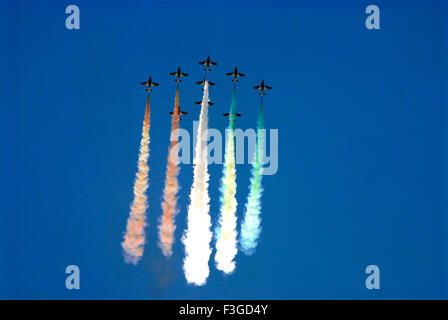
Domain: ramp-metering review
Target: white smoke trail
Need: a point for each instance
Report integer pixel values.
(198, 235)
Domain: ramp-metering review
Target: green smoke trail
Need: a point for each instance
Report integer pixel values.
(226, 248)
(232, 115)
(251, 228)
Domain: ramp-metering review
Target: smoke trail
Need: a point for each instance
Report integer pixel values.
(169, 204)
(226, 232)
(250, 229)
(134, 239)
(198, 235)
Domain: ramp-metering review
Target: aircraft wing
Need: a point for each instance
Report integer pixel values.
(183, 112)
(267, 87)
(173, 73)
(257, 87)
(184, 74)
(144, 83)
(241, 74)
(229, 73)
(202, 62)
(213, 63)
(155, 84)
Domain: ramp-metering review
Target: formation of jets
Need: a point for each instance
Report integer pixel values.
(149, 84)
(262, 87)
(178, 74)
(235, 74)
(203, 82)
(228, 114)
(209, 103)
(207, 63)
(178, 112)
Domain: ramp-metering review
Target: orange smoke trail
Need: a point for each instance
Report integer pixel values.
(134, 239)
(169, 204)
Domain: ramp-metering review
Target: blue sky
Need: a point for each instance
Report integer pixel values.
(362, 144)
